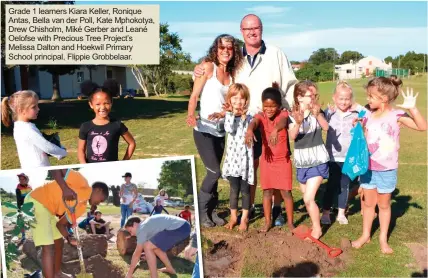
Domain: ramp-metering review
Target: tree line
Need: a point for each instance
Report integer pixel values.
(160, 79)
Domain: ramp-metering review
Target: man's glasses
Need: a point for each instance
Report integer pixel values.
(252, 29)
(222, 47)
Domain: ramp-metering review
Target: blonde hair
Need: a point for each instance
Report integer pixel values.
(342, 84)
(388, 87)
(239, 88)
(19, 101)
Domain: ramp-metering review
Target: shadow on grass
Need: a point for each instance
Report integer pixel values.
(71, 114)
(306, 269)
(398, 209)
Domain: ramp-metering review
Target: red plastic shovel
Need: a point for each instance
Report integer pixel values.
(303, 232)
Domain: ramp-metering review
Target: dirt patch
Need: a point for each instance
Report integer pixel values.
(420, 254)
(97, 265)
(268, 254)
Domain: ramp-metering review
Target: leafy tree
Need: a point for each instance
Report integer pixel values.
(155, 77)
(20, 220)
(176, 178)
(324, 55)
(189, 199)
(316, 73)
(350, 55)
(56, 72)
(411, 60)
(294, 62)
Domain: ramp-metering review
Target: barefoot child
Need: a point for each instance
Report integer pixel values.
(340, 118)
(47, 231)
(310, 155)
(238, 166)
(275, 165)
(99, 138)
(33, 149)
(382, 133)
(155, 236)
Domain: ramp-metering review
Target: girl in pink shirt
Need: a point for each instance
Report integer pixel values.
(382, 132)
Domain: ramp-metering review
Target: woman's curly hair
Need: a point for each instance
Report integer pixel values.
(237, 58)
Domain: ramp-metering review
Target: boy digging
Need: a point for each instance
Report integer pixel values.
(48, 232)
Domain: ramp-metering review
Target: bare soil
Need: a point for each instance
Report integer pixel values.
(274, 254)
(97, 266)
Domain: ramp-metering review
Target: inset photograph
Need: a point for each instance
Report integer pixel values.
(118, 219)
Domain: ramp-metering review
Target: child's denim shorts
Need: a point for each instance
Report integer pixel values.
(383, 181)
(303, 174)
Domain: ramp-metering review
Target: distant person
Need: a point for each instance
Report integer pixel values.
(158, 208)
(22, 189)
(99, 137)
(186, 214)
(84, 224)
(162, 196)
(128, 194)
(155, 236)
(33, 148)
(99, 226)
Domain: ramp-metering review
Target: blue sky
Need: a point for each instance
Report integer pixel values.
(380, 29)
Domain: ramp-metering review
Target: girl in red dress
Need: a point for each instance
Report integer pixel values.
(275, 164)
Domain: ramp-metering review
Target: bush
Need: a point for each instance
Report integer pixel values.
(316, 73)
(178, 83)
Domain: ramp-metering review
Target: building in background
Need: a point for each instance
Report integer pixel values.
(69, 84)
(364, 67)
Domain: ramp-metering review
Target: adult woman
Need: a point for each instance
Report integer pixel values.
(220, 65)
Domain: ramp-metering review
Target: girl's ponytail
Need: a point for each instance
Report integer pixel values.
(18, 101)
(6, 112)
(396, 81)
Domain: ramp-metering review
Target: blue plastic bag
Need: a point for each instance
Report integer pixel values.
(357, 158)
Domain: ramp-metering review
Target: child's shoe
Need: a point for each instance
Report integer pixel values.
(279, 221)
(325, 219)
(342, 220)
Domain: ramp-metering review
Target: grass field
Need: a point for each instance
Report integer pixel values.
(111, 213)
(158, 125)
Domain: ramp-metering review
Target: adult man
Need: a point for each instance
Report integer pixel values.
(155, 236)
(264, 65)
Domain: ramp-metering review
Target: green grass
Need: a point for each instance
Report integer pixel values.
(159, 128)
(183, 267)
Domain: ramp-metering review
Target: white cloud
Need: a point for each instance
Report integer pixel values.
(267, 9)
(379, 42)
(278, 25)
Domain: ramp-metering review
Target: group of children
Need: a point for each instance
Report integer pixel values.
(98, 138)
(314, 160)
